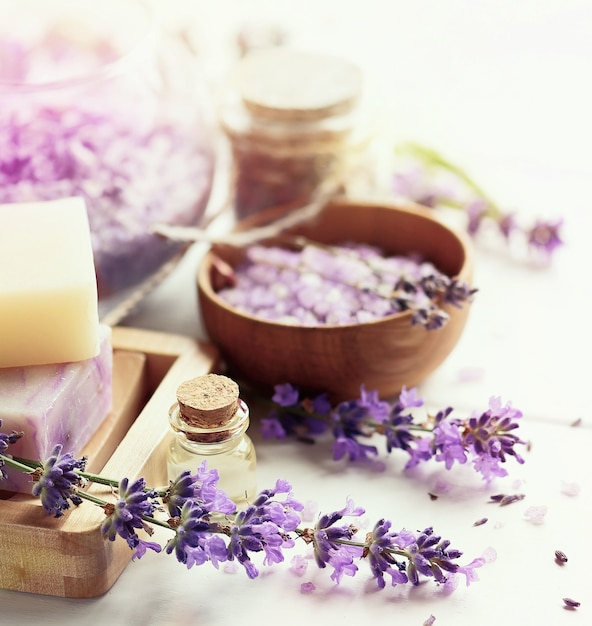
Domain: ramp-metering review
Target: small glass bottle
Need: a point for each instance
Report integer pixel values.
(210, 423)
(292, 118)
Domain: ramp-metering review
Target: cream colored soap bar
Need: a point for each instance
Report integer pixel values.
(48, 290)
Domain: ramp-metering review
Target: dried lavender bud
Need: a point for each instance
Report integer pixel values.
(560, 557)
(571, 604)
(480, 522)
(511, 499)
(497, 497)
(433, 496)
(577, 422)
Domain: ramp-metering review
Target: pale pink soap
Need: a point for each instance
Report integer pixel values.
(62, 403)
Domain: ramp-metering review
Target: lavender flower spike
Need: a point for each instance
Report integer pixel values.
(201, 487)
(193, 543)
(56, 481)
(379, 551)
(264, 526)
(123, 517)
(327, 542)
(429, 556)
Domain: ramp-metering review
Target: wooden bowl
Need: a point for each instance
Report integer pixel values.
(383, 355)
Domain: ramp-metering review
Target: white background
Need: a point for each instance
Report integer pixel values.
(503, 88)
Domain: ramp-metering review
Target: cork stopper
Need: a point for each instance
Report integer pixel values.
(207, 401)
(286, 84)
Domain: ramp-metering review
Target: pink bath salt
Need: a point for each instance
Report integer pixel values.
(536, 514)
(307, 587)
(230, 567)
(310, 510)
(62, 404)
(489, 554)
(470, 374)
(298, 565)
(570, 489)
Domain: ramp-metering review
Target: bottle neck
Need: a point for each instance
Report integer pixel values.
(229, 431)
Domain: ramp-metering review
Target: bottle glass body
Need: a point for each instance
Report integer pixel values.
(227, 449)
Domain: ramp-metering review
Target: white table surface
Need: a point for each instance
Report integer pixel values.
(503, 88)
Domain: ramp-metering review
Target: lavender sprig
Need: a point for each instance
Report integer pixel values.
(486, 438)
(419, 183)
(207, 528)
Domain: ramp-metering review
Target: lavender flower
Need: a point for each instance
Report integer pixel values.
(349, 421)
(431, 556)
(486, 438)
(285, 395)
(194, 543)
(379, 551)
(272, 523)
(414, 185)
(264, 526)
(545, 236)
(420, 184)
(294, 417)
(330, 542)
(126, 515)
(202, 488)
(469, 571)
(55, 482)
(476, 212)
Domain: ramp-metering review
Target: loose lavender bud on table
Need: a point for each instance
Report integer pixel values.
(560, 557)
(571, 604)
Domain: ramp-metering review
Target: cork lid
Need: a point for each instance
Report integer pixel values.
(209, 400)
(287, 84)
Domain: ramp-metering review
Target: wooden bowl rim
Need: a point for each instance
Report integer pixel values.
(205, 285)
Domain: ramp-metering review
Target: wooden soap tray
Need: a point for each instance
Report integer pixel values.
(68, 556)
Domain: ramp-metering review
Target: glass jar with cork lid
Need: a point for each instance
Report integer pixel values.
(210, 423)
(292, 118)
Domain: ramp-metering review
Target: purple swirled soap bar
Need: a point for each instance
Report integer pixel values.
(60, 403)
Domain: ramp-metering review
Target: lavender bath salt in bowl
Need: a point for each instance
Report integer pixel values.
(363, 294)
(97, 103)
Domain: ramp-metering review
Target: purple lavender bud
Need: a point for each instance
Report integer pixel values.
(264, 526)
(380, 555)
(56, 481)
(285, 395)
(125, 516)
(545, 236)
(326, 538)
(507, 224)
(476, 210)
(191, 543)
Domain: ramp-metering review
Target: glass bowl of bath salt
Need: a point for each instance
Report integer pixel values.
(99, 102)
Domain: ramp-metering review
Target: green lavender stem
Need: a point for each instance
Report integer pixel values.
(298, 410)
(434, 159)
(19, 464)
